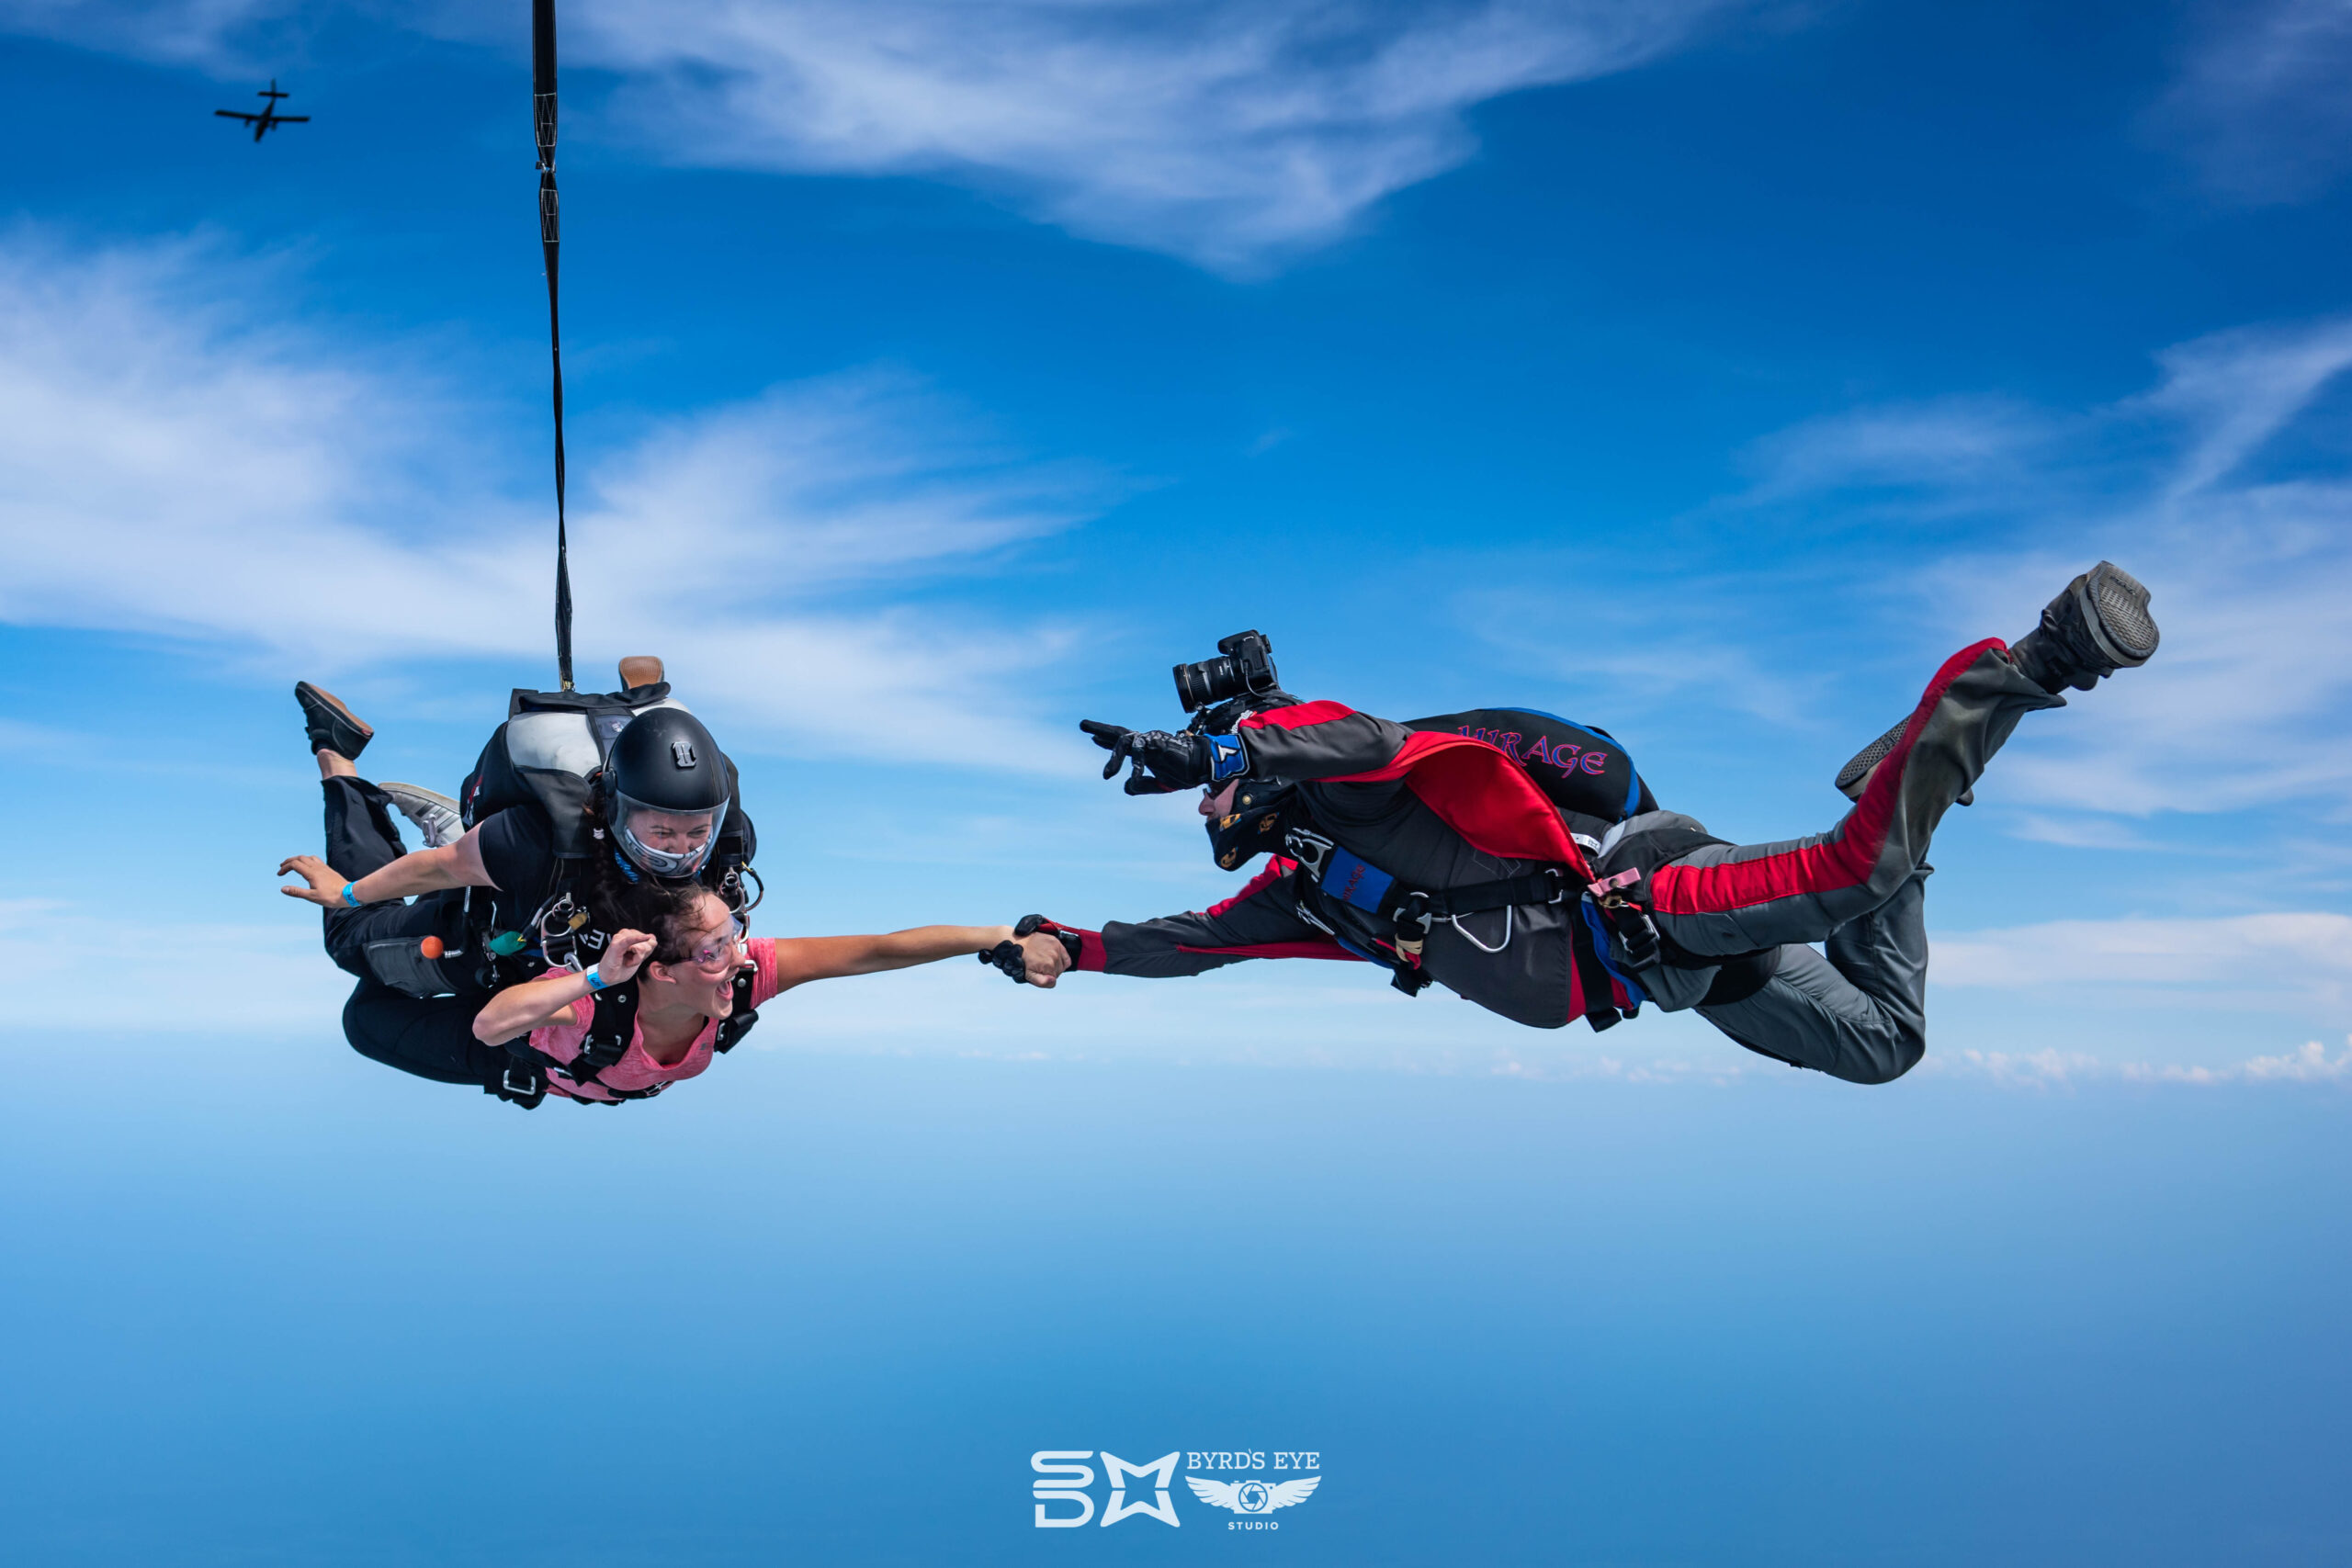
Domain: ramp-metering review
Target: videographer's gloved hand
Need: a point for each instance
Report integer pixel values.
(1166, 762)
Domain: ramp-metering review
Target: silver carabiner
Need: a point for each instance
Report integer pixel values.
(1508, 912)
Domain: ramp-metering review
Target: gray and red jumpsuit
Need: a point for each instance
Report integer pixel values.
(1439, 811)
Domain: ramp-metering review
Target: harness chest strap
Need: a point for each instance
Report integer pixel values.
(1342, 875)
(1617, 903)
(1336, 872)
(610, 1032)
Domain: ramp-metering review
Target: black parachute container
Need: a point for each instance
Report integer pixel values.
(547, 754)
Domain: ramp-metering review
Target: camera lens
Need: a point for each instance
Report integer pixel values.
(1210, 680)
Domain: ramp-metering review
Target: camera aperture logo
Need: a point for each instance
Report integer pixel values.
(1254, 1482)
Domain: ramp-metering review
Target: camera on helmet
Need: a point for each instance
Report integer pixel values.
(1247, 665)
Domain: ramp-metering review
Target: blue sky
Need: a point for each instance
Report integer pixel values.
(939, 374)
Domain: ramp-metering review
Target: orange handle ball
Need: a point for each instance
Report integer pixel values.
(431, 947)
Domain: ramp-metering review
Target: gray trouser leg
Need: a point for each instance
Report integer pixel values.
(1737, 898)
(1860, 1014)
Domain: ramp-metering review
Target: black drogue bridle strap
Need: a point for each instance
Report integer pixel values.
(551, 234)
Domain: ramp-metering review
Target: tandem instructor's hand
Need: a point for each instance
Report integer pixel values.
(325, 887)
(1035, 955)
(1164, 762)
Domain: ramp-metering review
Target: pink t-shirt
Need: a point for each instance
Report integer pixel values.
(636, 1069)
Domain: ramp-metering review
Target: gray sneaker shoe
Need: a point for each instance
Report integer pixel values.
(437, 815)
(2100, 625)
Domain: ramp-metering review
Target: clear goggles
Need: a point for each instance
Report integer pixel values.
(667, 843)
(725, 950)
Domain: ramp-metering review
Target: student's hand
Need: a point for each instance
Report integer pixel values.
(327, 884)
(624, 956)
(1045, 958)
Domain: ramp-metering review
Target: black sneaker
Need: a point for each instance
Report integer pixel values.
(331, 726)
(1857, 773)
(2100, 625)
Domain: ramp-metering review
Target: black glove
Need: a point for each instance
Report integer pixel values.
(1014, 963)
(1164, 762)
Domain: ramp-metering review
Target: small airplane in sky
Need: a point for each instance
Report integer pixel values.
(269, 118)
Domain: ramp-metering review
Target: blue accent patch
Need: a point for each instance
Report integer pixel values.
(1226, 760)
(1353, 881)
(1600, 935)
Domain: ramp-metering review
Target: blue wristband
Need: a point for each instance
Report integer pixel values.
(349, 899)
(597, 982)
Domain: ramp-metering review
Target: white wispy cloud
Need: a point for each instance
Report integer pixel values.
(209, 34)
(1230, 132)
(2306, 955)
(1227, 132)
(2233, 391)
(176, 464)
(2260, 104)
(2250, 568)
(1958, 450)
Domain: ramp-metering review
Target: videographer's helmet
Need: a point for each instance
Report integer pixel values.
(665, 792)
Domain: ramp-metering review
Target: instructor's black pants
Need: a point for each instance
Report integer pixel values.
(429, 1036)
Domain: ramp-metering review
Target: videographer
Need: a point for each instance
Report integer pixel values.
(1439, 855)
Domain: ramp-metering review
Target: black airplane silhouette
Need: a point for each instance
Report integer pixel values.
(269, 118)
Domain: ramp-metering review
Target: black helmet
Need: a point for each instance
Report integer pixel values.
(664, 763)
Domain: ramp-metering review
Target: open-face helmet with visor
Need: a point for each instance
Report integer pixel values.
(664, 790)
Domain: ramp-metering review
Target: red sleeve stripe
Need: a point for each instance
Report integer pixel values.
(1299, 715)
(1090, 955)
(1276, 870)
(1322, 948)
(1842, 862)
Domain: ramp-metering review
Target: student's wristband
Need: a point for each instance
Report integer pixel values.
(597, 982)
(347, 895)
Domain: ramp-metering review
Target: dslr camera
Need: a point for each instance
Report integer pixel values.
(1245, 664)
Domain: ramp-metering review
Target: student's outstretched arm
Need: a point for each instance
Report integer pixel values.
(800, 959)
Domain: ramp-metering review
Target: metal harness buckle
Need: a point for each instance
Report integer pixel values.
(1311, 851)
(527, 1093)
(1412, 923)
